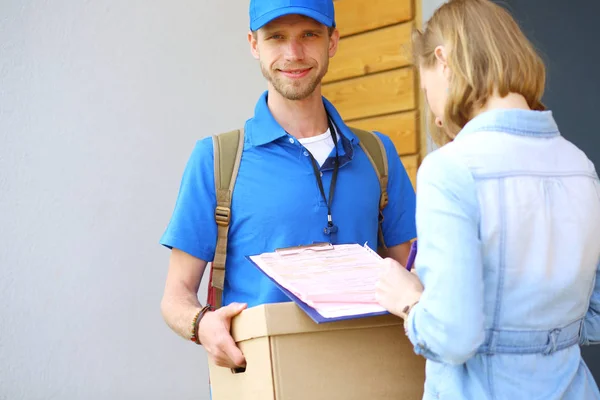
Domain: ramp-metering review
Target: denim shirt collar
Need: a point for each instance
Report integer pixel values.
(513, 121)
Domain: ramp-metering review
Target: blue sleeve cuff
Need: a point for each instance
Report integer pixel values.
(172, 242)
(400, 237)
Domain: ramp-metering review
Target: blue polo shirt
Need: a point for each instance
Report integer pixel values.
(277, 202)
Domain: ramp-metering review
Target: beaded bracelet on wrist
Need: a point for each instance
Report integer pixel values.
(196, 323)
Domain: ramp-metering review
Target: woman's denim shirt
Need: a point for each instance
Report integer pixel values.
(508, 220)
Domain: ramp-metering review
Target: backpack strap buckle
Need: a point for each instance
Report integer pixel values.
(384, 199)
(222, 215)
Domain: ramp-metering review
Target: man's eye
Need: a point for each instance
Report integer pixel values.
(310, 34)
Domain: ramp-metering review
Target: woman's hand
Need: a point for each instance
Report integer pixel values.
(398, 288)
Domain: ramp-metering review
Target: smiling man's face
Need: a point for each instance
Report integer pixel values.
(294, 54)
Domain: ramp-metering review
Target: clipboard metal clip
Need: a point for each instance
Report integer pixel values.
(289, 251)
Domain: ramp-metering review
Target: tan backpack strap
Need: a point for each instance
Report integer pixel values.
(227, 148)
(375, 151)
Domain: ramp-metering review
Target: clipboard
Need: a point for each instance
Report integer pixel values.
(294, 250)
(311, 312)
(308, 309)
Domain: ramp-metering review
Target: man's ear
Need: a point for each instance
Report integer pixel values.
(334, 40)
(252, 40)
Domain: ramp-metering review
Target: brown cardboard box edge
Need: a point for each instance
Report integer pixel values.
(291, 357)
(286, 318)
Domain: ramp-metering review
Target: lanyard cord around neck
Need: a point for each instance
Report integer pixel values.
(331, 227)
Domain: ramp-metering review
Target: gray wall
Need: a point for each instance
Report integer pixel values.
(429, 6)
(101, 103)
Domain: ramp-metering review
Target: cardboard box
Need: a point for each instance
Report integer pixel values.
(289, 357)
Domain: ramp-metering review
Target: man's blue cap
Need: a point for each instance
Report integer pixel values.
(264, 11)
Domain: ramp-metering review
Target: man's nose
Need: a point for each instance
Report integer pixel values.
(294, 50)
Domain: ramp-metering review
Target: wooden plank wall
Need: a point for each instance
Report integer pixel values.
(371, 80)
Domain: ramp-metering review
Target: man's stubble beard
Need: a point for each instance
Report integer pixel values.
(291, 91)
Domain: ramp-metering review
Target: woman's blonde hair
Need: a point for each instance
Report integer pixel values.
(486, 52)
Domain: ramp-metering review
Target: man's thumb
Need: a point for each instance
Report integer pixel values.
(234, 309)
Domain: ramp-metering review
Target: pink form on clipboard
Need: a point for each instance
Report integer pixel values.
(336, 280)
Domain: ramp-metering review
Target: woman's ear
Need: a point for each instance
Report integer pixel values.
(442, 57)
(440, 54)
